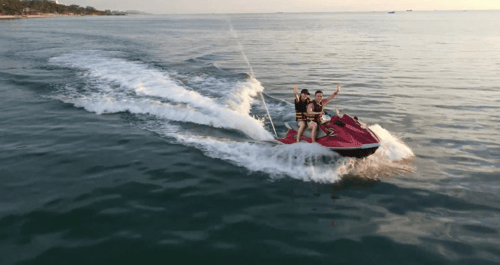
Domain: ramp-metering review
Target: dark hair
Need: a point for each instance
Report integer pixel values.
(317, 92)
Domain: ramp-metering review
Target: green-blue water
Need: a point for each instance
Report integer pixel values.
(142, 139)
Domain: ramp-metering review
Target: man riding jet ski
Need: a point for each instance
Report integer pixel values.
(342, 134)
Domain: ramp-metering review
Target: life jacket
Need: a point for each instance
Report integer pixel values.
(301, 109)
(317, 107)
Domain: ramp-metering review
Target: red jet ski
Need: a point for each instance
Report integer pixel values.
(344, 135)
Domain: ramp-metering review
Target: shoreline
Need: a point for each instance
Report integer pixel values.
(40, 16)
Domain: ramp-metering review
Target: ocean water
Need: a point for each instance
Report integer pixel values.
(145, 139)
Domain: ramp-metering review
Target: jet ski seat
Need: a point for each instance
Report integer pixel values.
(294, 125)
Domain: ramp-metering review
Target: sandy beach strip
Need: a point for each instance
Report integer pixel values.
(8, 17)
(39, 16)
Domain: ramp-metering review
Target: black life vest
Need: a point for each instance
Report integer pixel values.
(301, 109)
(317, 107)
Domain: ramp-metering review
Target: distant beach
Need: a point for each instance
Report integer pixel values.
(40, 16)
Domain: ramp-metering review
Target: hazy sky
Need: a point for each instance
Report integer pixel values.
(266, 6)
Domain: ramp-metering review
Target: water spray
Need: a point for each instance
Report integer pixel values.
(252, 75)
(269, 115)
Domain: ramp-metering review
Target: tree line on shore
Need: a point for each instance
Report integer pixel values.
(34, 7)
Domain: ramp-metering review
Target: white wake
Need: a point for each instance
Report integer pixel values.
(114, 85)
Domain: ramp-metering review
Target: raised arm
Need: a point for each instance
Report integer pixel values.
(296, 91)
(325, 101)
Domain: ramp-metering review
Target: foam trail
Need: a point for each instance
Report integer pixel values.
(303, 161)
(300, 161)
(144, 81)
(157, 108)
(115, 85)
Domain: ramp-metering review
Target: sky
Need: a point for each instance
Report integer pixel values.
(272, 6)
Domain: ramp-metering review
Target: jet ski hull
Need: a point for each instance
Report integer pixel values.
(344, 135)
(356, 152)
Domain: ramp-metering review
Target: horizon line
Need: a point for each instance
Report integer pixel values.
(316, 12)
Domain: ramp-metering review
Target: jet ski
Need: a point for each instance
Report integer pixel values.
(341, 133)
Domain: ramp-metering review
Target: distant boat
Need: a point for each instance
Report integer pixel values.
(409, 10)
(391, 12)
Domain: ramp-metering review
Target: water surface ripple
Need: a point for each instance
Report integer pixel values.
(142, 139)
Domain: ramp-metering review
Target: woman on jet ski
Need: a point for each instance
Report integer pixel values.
(301, 103)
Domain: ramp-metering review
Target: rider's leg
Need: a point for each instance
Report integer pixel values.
(314, 127)
(302, 126)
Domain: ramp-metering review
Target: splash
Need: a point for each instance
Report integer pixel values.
(233, 32)
(113, 85)
(129, 86)
(393, 157)
(299, 161)
(391, 147)
(302, 161)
